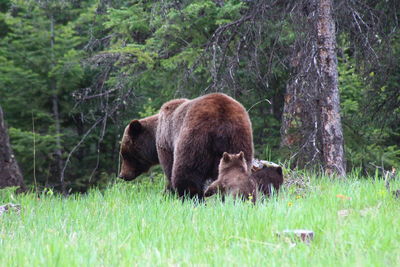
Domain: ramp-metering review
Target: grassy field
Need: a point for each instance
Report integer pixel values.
(356, 223)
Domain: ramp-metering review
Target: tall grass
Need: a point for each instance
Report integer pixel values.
(356, 223)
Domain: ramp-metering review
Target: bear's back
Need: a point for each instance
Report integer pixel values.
(206, 112)
(215, 109)
(223, 121)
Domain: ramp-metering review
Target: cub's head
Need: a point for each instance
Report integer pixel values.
(137, 147)
(229, 161)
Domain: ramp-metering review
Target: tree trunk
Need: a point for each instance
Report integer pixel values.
(331, 128)
(10, 174)
(311, 126)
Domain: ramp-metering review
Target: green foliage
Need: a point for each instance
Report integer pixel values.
(351, 87)
(33, 72)
(33, 151)
(131, 22)
(367, 144)
(148, 109)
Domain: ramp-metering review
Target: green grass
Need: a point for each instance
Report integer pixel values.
(135, 224)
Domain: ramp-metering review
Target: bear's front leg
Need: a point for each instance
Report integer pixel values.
(166, 158)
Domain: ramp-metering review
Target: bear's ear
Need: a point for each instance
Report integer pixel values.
(134, 128)
(212, 189)
(226, 157)
(279, 170)
(241, 155)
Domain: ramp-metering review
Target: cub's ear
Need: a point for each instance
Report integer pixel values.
(241, 155)
(279, 170)
(226, 157)
(212, 189)
(134, 128)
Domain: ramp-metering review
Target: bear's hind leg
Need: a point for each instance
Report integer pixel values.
(188, 181)
(193, 162)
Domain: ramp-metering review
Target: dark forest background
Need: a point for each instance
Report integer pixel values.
(74, 73)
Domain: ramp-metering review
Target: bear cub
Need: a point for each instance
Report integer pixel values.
(233, 178)
(267, 178)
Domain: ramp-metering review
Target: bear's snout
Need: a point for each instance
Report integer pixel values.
(128, 172)
(124, 177)
(127, 176)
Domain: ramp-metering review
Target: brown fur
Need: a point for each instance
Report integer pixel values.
(190, 137)
(233, 178)
(139, 135)
(268, 177)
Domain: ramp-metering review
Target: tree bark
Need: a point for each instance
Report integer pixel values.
(10, 173)
(311, 127)
(331, 128)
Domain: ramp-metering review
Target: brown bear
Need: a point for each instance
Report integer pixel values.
(187, 137)
(268, 177)
(233, 178)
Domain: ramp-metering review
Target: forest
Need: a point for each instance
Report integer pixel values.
(74, 73)
(82, 80)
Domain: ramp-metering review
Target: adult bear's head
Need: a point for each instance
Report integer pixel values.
(138, 148)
